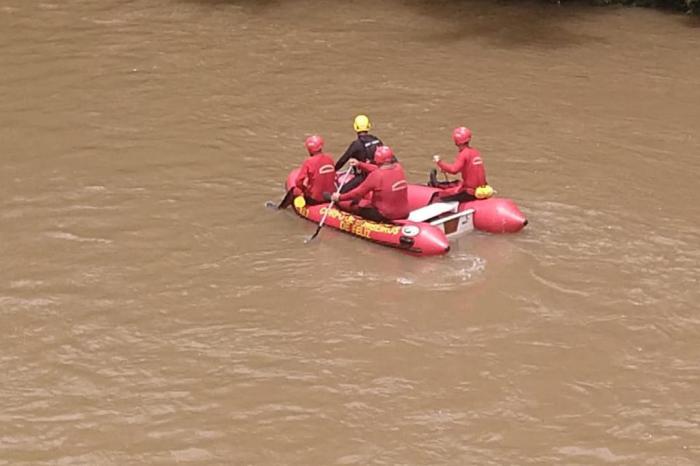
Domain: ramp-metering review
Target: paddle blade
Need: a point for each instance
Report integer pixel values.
(288, 199)
(318, 230)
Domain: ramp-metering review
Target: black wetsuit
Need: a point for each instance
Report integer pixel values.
(362, 149)
(371, 213)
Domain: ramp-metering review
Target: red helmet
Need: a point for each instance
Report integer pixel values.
(314, 144)
(383, 155)
(461, 135)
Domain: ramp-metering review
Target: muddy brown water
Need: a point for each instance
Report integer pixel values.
(153, 312)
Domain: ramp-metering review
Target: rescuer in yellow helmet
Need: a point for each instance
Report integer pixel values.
(362, 149)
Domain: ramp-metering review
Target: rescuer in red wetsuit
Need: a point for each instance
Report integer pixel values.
(468, 163)
(387, 183)
(317, 173)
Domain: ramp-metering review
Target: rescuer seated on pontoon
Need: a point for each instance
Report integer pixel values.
(471, 166)
(386, 182)
(317, 173)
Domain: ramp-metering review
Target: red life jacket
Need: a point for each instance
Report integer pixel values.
(316, 176)
(471, 166)
(389, 191)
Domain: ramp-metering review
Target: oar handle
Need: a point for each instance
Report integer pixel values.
(337, 191)
(325, 214)
(328, 209)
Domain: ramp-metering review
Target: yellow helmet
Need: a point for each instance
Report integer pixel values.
(483, 192)
(362, 123)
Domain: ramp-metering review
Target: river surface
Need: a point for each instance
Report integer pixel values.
(154, 312)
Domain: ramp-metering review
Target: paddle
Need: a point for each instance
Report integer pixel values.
(436, 157)
(330, 206)
(286, 201)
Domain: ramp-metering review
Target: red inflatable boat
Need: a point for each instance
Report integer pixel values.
(492, 215)
(430, 226)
